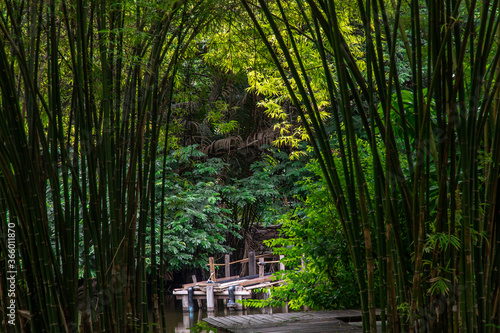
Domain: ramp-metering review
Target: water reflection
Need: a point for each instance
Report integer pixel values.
(178, 321)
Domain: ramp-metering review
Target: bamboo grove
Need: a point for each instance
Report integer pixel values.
(86, 89)
(425, 240)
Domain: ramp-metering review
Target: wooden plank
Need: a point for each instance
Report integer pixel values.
(271, 262)
(264, 285)
(271, 318)
(255, 281)
(229, 284)
(227, 322)
(216, 297)
(187, 285)
(281, 316)
(245, 282)
(205, 284)
(185, 292)
(263, 320)
(199, 293)
(236, 293)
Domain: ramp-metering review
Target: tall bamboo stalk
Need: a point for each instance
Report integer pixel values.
(435, 266)
(83, 103)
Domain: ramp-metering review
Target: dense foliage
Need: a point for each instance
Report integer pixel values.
(196, 224)
(319, 273)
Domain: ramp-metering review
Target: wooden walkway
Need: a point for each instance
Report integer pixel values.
(303, 322)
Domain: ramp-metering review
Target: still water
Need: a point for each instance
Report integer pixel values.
(178, 321)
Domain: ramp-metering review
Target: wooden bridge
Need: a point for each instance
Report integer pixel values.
(229, 288)
(299, 322)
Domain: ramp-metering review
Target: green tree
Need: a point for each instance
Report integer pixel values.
(197, 225)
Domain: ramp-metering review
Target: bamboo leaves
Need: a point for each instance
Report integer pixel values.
(429, 192)
(81, 121)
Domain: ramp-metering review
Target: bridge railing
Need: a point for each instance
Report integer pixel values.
(253, 261)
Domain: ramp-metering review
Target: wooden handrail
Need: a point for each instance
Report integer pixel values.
(246, 259)
(259, 259)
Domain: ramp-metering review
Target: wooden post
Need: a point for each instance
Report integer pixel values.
(185, 303)
(266, 295)
(251, 263)
(211, 264)
(227, 267)
(239, 306)
(261, 267)
(185, 320)
(210, 298)
(195, 280)
(282, 265)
